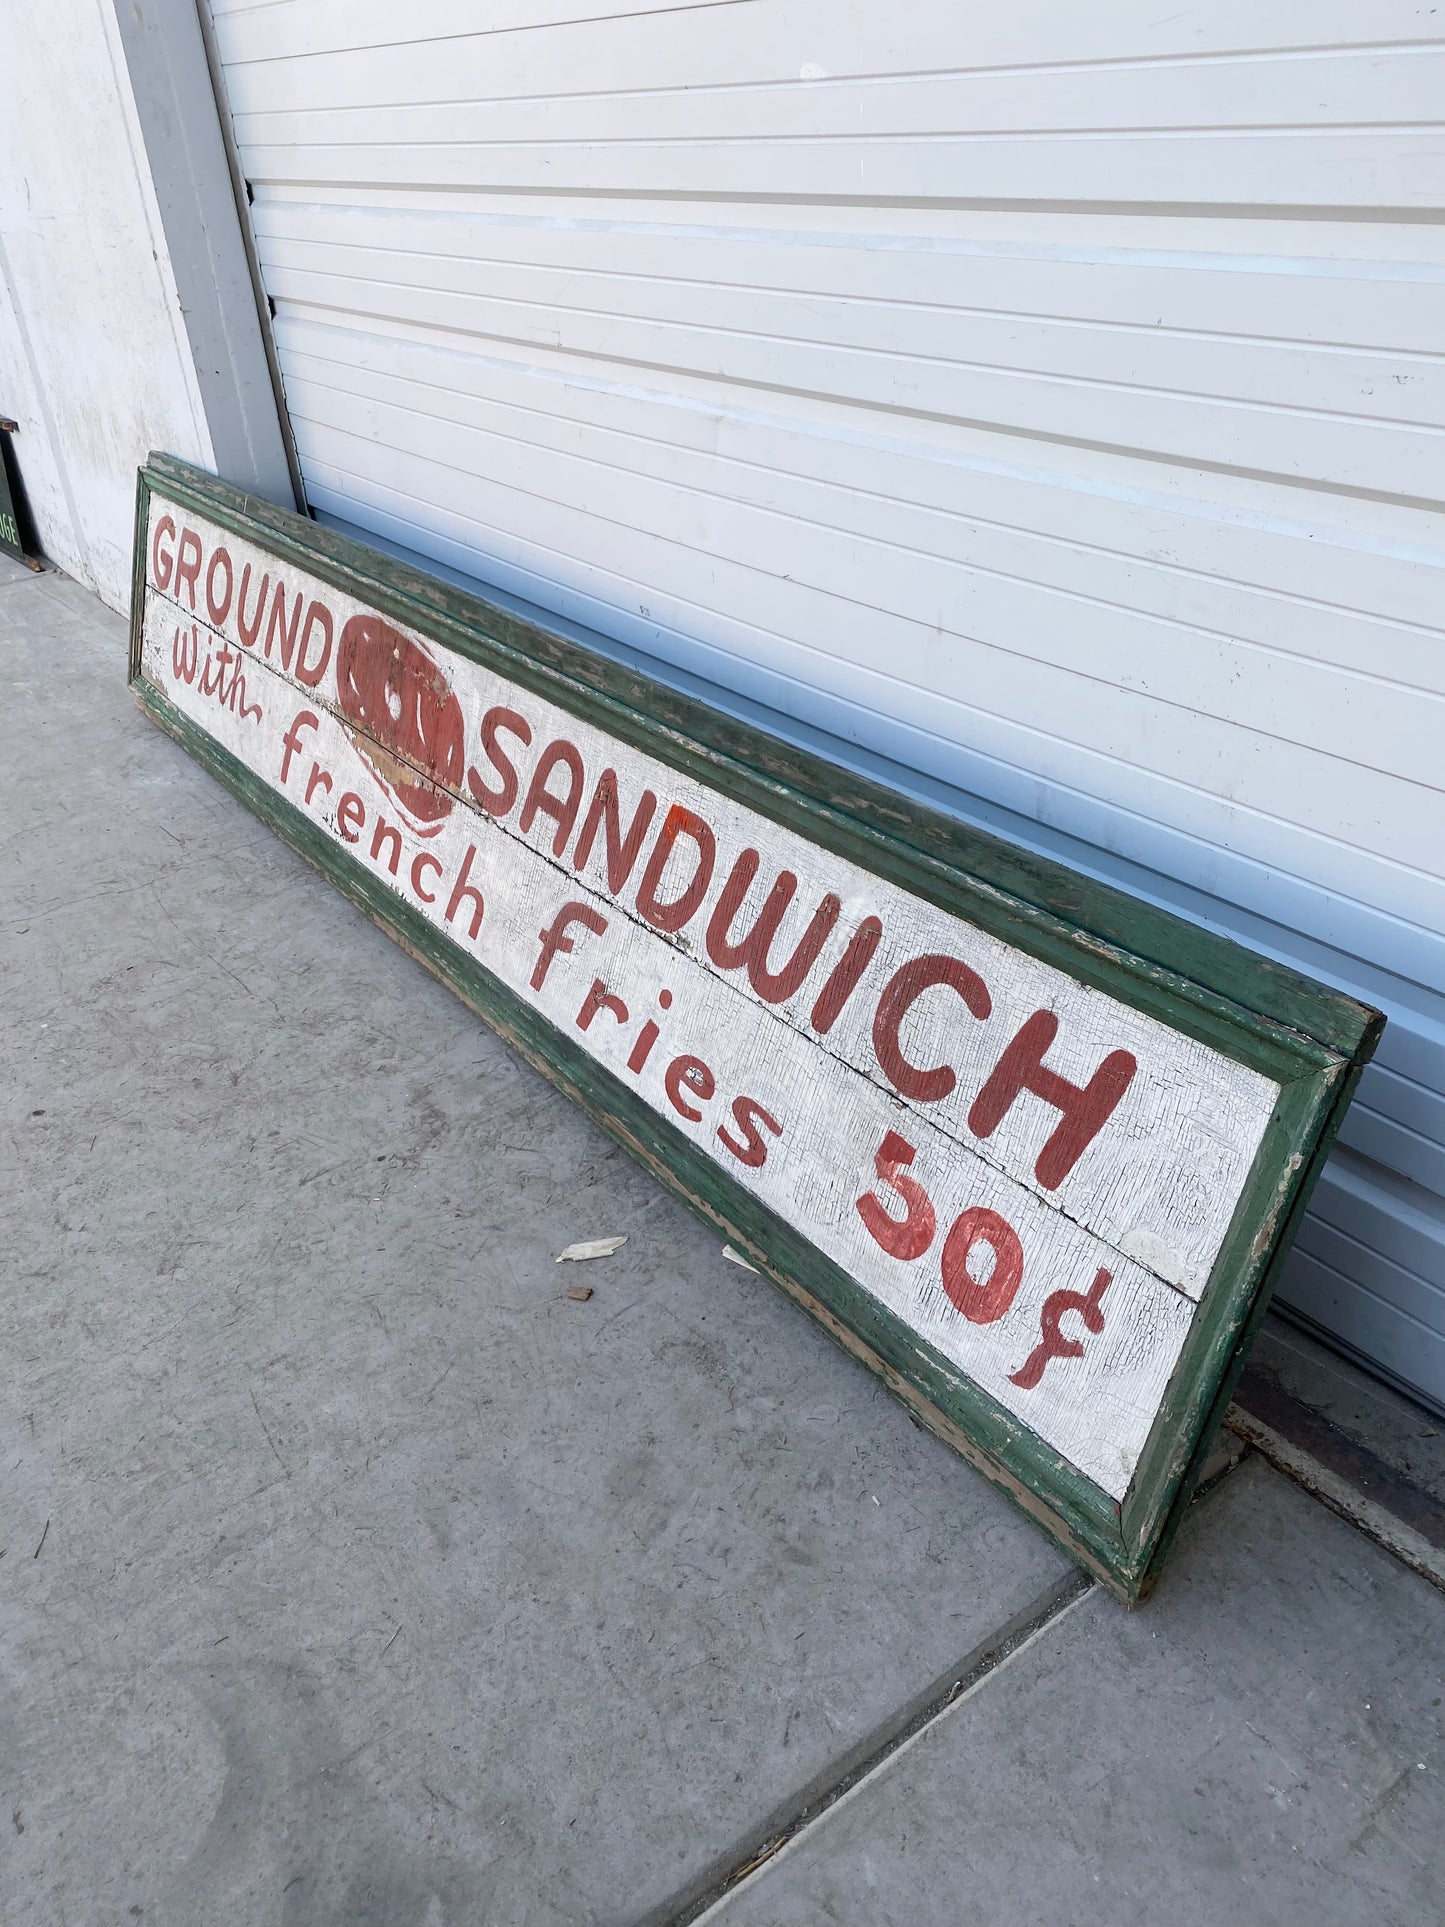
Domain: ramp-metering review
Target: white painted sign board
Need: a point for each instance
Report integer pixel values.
(1027, 1178)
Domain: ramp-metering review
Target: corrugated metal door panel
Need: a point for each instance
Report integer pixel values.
(288, 29)
(1320, 769)
(1048, 399)
(1369, 1267)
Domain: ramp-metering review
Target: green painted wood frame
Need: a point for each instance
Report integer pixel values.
(1313, 1040)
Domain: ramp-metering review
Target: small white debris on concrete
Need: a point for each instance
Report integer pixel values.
(590, 1248)
(737, 1258)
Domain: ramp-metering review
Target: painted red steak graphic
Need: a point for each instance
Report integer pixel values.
(406, 718)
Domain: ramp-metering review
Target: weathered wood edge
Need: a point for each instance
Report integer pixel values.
(1045, 906)
(1242, 1338)
(1238, 1285)
(138, 576)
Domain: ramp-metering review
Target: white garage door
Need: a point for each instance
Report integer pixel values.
(1046, 397)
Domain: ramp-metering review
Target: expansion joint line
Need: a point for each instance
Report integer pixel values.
(871, 1756)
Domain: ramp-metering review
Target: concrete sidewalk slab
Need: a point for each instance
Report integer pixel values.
(353, 1574)
(1263, 1743)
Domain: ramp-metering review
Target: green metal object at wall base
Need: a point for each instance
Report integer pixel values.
(11, 541)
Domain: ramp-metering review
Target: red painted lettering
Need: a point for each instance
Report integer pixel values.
(690, 1074)
(248, 631)
(982, 1301)
(463, 891)
(185, 648)
(318, 779)
(672, 916)
(599, 998)
(498, 802)
(1052, 1343)
(774, 987)
(751, 1149)
(420, 864)
(350, 815)
(188, 564)
(1086, 1108)
(380, 835)
(912, 1234)
(648, 1036)
(642, 1049)
(279, 627)
(540, 800)
(310, 673)
(162, 560)
(218, 607)
(845, 975)
(903, 990)
(556, 939)
(603, 813)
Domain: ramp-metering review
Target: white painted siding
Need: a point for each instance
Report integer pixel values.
(1047, 398)
(94, 360)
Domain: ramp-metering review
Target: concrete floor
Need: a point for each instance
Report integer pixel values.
(1260, 1745)
(355, 1577)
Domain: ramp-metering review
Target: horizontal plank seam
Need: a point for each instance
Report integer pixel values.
(894, 409)
(862, 77)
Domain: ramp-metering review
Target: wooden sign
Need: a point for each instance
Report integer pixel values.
(1029, 1148)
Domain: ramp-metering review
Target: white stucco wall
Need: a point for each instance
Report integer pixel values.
(94, 360)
